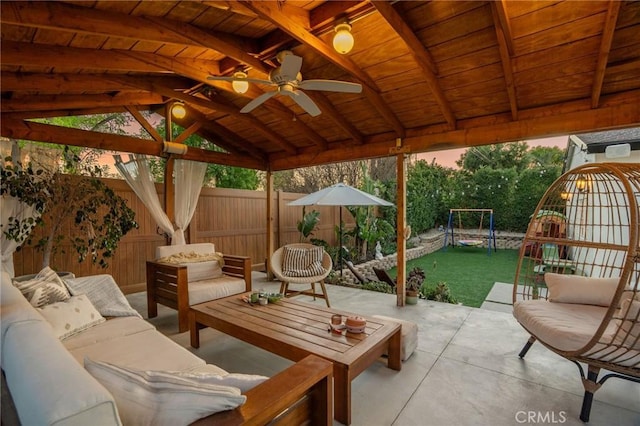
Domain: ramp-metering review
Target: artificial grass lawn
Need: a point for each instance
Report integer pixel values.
(468, 271)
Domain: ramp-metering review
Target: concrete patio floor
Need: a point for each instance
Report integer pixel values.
(465, 371)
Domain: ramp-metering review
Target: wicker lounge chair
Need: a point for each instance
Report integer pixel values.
(588, 309)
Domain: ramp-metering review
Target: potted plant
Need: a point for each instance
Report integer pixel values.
(97, 217)
(415, 279)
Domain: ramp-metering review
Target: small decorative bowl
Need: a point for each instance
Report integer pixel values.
(356, 324)
(274, 297)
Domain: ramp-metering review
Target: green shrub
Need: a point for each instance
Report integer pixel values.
(441, 293)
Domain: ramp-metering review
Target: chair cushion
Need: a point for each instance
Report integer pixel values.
(630, 322)
(161, 398)
(302, 262)
(580, 290)
(217, 288)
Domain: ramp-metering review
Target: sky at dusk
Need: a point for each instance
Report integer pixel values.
(448, 158)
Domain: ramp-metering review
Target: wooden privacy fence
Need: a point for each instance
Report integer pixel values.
(234, 220)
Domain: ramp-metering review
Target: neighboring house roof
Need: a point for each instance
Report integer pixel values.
(597, 142)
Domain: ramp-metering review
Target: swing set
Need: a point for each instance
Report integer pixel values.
(470, 242)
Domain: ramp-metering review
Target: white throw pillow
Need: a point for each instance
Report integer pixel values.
(244, 382)
(71, 316)
(159, 399)
(45, 288)
(302, 262)
(104, 294)
(580, 290)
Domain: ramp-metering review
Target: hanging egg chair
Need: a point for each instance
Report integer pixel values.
(576, 289)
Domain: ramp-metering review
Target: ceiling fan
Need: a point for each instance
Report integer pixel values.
(288, 80)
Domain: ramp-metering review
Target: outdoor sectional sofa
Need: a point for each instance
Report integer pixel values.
(49, 381)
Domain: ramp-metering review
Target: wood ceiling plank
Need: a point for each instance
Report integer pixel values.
(590, 26)
(271, 12)
(603, 53)
(54, 102)
(420, 54)
(78, 83)
(560, 69)
(547, 58)
(461, 25)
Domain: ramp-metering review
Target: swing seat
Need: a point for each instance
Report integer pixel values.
(470, 243)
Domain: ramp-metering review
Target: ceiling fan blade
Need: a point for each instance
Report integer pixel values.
(331, 86)
(258, 101)
(304, 101)
(290, 66)
(248, 79)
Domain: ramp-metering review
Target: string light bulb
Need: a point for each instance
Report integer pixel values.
(240, 86)
(178, 110)
(343, 39)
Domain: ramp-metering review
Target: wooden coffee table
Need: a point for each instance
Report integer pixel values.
(294, 330)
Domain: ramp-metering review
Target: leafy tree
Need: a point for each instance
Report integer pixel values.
(543, 156)
(81, 210)
(427, 185)
(499, 156)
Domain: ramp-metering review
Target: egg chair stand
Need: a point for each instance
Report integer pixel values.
(588, 310)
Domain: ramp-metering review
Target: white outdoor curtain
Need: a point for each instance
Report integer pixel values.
(137, 174)
(189, 176)
(14, 208)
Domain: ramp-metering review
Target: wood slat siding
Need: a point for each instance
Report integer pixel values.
(234, 220)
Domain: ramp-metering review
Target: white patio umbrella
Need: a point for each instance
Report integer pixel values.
(340, 195)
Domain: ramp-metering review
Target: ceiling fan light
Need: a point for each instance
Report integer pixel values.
(178, 110)
(343, 39)
(240, 86)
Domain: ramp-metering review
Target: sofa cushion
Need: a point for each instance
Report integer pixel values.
(108, 330)
(580, 290)
(47, 287)
(15, 308)
(104, 294)
(146, 350)
(302, 262)
(161, 398)
(48, 386)
(71, 316)
(198, 271)
(206, 290)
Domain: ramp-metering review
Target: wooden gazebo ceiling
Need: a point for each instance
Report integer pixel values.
(435, 74)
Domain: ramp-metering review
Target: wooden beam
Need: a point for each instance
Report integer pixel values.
(57, 102)
(271, 12)
(188, 131)
(145, 124)
(603, 52)
(69, 59)
(420, 55)
(505, 56)
(618, 112)
(40, 82)
(215, 105)
(500, 9)
(401, 221)
(40, 132)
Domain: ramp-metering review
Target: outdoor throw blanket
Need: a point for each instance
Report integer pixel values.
(192, 257)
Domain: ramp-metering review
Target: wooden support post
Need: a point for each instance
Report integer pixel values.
(401, 221)
(270, 223)
(169, 189)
